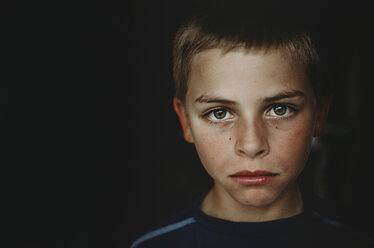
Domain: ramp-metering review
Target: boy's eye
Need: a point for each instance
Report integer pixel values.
(280, 110)
(219, 114)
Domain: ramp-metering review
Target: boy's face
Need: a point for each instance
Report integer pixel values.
(252, 117)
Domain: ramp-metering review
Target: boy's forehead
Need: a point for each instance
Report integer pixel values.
(217, 62)
(220, 53)
(216, 70)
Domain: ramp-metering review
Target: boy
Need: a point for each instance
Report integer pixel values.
(248, 97)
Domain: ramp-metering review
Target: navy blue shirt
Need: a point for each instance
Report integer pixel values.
(193, 228)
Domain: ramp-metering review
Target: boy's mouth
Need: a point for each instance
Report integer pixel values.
(258, 177)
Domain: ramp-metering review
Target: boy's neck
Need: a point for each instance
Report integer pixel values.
(220, 205)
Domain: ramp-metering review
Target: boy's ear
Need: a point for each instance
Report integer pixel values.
(179, 109)
(322, 113)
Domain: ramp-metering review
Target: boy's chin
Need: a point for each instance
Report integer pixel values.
(257, 199)
(269, 200)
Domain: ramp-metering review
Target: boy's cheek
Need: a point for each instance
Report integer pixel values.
(210, 146)
(295, 148)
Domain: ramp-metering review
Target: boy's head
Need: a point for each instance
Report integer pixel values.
(246, 95)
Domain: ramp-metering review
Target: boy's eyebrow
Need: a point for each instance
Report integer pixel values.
(211, 99)
(282, 95)
(285, 94)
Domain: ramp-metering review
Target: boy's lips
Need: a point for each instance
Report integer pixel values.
(258, 177)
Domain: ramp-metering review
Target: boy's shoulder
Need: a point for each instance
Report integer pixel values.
(330, 230)
(330, 224)
(173, 230)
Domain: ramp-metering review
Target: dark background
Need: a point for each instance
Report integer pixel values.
(99, 157)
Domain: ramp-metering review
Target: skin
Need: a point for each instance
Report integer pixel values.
(250, 110)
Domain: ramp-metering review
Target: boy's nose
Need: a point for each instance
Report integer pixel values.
(252, 140)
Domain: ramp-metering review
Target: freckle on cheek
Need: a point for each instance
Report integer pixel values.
(230, 138)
